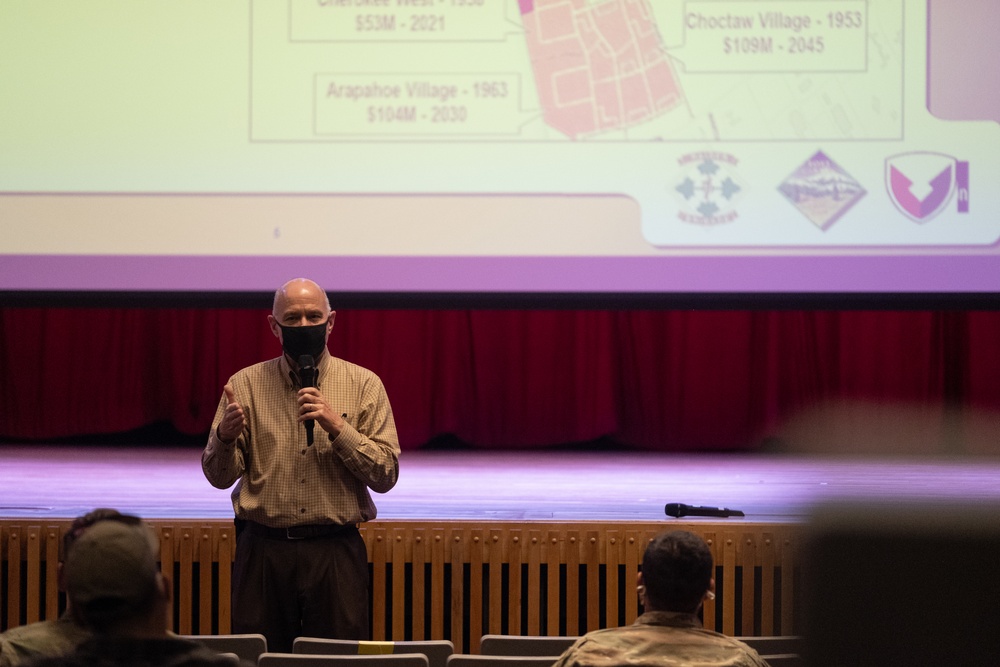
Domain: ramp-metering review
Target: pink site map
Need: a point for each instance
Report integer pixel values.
(598, 66)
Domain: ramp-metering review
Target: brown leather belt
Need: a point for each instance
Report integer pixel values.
(304, 532)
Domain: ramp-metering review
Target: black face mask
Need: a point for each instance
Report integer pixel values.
(311, 340)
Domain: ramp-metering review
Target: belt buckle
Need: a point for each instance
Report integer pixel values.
(289, 535)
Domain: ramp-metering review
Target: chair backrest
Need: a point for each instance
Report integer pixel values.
(247, 646)
(305, 660)
(783, 660)
(524, 645)
(437, 651)
(462, 660)
(773, 645)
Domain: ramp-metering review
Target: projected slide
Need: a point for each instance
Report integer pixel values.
(625, 132)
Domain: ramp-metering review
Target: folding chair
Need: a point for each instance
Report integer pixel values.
(461, 660)
(305, 660)
(524, 645)
(773, 645)
(437, 651)
(246, 647)
(783, 660)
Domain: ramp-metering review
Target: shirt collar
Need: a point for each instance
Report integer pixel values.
(675, 619)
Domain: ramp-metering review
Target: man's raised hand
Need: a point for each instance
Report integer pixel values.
(232, 420)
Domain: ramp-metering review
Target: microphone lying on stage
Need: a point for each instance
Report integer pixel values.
(678, 510)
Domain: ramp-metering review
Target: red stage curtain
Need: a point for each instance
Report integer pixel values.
(661, 380)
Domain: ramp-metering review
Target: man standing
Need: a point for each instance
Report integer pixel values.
(675, 580)
(307, 435)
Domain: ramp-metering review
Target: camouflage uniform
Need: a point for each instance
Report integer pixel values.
(141, 652)
(47, 638)
(659, 639)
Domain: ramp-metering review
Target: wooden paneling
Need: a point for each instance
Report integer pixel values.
(454, 580)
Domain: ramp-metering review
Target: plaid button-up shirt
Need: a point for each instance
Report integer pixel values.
(282, 481)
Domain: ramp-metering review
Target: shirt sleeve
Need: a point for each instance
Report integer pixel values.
(754, 660)
(5, 657)
(568, 658)
(223, 462)
(369, 448)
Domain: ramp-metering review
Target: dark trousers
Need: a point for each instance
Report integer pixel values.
(288, 588)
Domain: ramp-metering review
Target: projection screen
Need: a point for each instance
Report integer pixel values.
(494, 146)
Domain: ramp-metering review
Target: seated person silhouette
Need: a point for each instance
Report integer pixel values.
(675, 580)
(118, 593)
(62, 635)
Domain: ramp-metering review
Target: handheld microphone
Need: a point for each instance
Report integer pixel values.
(678, 510)
(307, 378)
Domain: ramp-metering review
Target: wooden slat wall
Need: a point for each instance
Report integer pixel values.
(453, 580)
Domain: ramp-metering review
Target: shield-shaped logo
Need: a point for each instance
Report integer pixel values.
(922, 184)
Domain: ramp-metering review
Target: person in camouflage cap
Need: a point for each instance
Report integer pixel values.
(117, 591)
(60, 635)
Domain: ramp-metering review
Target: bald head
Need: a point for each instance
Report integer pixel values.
(299, 290)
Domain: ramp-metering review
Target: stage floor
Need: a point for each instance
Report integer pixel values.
(47, 481)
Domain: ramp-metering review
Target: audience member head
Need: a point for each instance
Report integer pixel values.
(676, 573)
(113, 582)
(82, 523)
